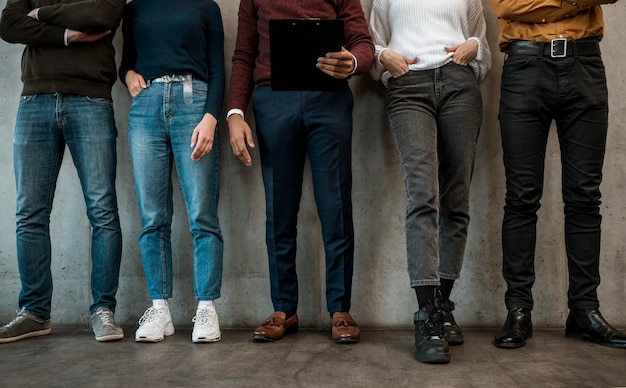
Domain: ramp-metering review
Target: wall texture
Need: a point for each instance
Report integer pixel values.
(382, 297)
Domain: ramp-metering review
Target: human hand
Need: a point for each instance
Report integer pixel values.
(203, 137)
(33, 13)
(74, 36)
(337, 64)
(240, 138)
(395, 63)
(134, 82)
(464, 52)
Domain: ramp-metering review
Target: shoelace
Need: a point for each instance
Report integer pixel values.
(432, 329)
(343, 322)
(151, 315)
(274, 321)
(20, 314)
(203, 315)
(105, 317)
(445, 308)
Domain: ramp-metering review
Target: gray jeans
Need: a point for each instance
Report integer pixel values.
(435, 116)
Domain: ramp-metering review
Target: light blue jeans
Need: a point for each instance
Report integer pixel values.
(45, 124)
(435, 117)
(160, 126)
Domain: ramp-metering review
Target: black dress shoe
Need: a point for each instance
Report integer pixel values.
(590, 325)
(516, 330)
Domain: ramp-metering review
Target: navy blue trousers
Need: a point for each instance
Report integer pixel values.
(291, 125)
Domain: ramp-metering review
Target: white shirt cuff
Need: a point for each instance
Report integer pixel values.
(356, 64)
(378, 54)
(65, 37)
(234, 111)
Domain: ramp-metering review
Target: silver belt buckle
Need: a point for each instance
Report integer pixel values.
(558, 48)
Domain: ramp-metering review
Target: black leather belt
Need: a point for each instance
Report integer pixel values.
(556, 48)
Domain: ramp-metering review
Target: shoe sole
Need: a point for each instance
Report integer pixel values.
(25, 335)
(439, 358)
(508, 345)
(588, 338)
(156, 339)
(108, 338)
(262, 338)
(346, 341)
(205, 340)
(513, 345)
(455, 340)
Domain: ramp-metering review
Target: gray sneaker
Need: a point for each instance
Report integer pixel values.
(104, 326)
(23, 326)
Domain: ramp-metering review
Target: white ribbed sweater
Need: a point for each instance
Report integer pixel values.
(422, 28)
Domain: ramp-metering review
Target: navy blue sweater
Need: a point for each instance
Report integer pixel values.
(165, 37)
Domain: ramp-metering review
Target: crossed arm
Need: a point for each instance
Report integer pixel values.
(83, 21)
(541, 11)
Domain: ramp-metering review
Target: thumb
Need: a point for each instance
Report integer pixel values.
(451, 49)
(410, 61)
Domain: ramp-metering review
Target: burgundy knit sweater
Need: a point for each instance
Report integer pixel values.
(251, 60)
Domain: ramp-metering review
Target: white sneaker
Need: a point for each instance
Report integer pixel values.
(154, 325)
(206, 326)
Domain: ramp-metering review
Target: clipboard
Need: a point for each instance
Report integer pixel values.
(295, 45)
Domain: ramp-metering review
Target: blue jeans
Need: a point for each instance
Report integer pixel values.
(435, 117)
(291, 125)
(160, 126)
(571, 91)
(45, 124)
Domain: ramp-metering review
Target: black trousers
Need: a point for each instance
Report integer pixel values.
(572, 91)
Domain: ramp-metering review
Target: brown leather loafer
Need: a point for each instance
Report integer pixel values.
(344, 329)
(275, 327)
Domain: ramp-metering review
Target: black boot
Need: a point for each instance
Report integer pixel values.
(590, 325)
(451, 331)
(430, 344)
(516, 330)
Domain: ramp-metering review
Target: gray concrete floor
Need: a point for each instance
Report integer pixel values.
(72, 358)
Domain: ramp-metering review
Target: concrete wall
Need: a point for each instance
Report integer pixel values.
(382, 297)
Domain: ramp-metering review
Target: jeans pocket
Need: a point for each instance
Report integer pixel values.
(26, 99)
(99, 101)
(401, 76)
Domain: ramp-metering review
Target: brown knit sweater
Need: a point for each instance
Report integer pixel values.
(48, 66)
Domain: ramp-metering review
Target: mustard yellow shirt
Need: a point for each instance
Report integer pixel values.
(544, 20)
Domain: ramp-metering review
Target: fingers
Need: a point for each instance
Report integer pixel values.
(464, 52)
(337, 64)
(74, 36)
(395, 63)
(202, 148)
(240, 139)
(241, 151)
(410, 61)
(135, 82)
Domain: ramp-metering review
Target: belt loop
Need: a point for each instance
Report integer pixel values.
(542, 46)
(574, 48)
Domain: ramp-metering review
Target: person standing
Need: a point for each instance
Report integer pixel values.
(173, 66)
(553, 72)
(430, 56)
(68, 69)
(290, 125)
